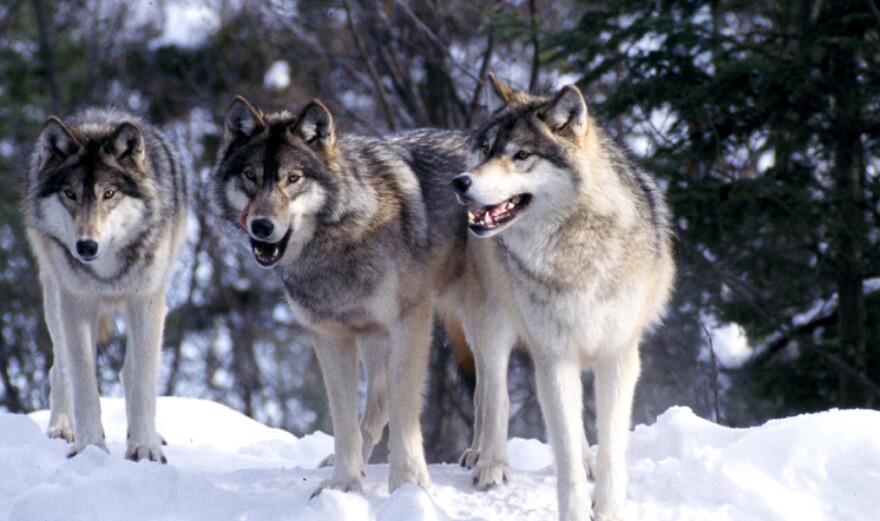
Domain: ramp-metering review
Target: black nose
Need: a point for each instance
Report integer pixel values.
(461, 183)
(262, 228)
(87, 248)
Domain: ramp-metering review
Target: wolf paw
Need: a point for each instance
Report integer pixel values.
(61, 433)
(78, 448)
(491, 475)
(469, 458)
(413, 473)
(348, 484)
(145, 452)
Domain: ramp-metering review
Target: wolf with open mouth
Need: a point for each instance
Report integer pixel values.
(367, 240)
(573, 249)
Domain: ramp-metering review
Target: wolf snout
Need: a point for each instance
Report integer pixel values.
(262, 228)
(87, 249)
(461, 183)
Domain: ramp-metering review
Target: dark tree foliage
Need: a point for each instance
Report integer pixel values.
(762, 118)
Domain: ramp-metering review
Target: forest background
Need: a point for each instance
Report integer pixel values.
(761, 119)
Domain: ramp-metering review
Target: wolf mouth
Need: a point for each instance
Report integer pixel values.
(268, 254)
(493, 217)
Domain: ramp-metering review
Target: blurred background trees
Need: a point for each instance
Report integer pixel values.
(759, 118)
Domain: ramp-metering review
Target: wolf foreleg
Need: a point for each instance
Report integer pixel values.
(561, 396)
(145, 322)
(60, 402)
(337, 356)
(615, 386)
(411, 342)
(78, 318)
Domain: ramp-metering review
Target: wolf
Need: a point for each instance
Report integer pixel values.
(105, 212)
(364, 255)
(572, 245)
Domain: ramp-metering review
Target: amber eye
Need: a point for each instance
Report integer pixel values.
(292, 178)
(249, 173)
(522, 154)
(109, 194)
(70, 194)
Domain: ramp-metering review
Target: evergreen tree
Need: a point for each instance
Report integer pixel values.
(761, 117)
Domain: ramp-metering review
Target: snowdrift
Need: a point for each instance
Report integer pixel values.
(224, 466)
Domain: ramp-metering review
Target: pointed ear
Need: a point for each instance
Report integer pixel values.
(499, 95)
(242, 119)
(127, 144)
(315, 125)
(567, 112)
(56, 141)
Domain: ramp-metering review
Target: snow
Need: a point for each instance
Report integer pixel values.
(187, 25)
(224, 466)
(731, 345)
(278, 76)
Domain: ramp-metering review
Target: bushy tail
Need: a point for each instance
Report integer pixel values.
(464, 357)
(106, 330)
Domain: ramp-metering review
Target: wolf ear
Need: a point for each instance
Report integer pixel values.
(567, 112)
(315, 126)
(242, 119)
(56, 141)
(127, 144)
(499, 95)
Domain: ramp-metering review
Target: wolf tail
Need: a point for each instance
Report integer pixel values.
(461, 350)
(106, 330)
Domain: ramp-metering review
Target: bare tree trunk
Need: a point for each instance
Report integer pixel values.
(47, 54)
(849, 173)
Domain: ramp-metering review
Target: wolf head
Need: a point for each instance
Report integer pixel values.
(272, 175)
(524, 159)
(88, 185)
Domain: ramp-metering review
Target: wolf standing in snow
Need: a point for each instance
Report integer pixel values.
(574, 250)
(105, 213)
(363, 255)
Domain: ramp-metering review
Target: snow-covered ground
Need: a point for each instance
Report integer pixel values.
(224, 466)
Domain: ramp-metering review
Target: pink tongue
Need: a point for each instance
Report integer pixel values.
(495, 211)
(242, 219)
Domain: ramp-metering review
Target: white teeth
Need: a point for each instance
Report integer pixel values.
(516, 200)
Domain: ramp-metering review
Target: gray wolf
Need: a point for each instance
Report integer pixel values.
(105, 214)
(573, 250)
(364, 254)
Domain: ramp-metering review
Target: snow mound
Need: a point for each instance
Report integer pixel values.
(224, 466)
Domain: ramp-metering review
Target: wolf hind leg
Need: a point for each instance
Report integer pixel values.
(492, 339)
(375, 356)
(145, 323)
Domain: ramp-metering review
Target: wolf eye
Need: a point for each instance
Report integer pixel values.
(292, 178)
(249, 173)
(108, 194)
(70, 194)
(520, 155)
